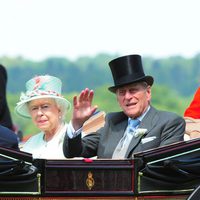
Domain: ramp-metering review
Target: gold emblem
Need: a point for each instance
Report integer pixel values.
(90, 181)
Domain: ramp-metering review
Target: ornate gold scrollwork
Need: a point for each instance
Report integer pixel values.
(90, 181)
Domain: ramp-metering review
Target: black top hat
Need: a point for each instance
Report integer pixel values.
(126, 70)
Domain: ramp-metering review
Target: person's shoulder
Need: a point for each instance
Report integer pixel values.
(168, 114)
(116, 117)
(33, 141)
(7, 132)
(114, 114)
(37, 136)
(8, 138)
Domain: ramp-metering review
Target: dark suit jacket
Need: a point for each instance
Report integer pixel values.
(164, 127)
(8, 138)
(5, 116)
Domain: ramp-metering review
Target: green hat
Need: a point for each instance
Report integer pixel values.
(41, 87)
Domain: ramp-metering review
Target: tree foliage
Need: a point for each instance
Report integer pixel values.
(175, 81)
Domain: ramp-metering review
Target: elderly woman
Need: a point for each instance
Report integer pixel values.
(44, 104)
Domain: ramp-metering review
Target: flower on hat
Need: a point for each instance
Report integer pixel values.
(34, 93)
(140, 132)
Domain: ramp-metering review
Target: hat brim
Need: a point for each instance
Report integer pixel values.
(22, 109)
(148, 79)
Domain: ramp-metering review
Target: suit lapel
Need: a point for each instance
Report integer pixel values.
(117, 129)
(148, 122)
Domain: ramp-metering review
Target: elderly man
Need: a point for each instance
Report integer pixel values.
(137, 128)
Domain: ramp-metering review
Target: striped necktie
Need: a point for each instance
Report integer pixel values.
(123, 144)
(132, 125)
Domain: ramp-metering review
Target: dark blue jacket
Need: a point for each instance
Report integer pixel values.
(8, 138)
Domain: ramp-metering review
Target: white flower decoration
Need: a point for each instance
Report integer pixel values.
(140, 132)
(23, 96)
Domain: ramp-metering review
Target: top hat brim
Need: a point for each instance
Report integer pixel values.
(148, 79)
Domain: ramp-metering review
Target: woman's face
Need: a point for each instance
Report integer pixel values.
(45, 114)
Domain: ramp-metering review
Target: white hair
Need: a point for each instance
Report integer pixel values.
(62, 108)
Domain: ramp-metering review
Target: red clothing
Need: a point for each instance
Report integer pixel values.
(194, 108)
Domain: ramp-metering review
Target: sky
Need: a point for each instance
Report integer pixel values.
(38, 29)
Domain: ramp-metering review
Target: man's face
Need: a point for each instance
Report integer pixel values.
(134, 99)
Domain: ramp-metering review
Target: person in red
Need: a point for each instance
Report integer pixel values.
(194, 108)
(192, 117)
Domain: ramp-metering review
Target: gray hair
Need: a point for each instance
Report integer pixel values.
(62, 108)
